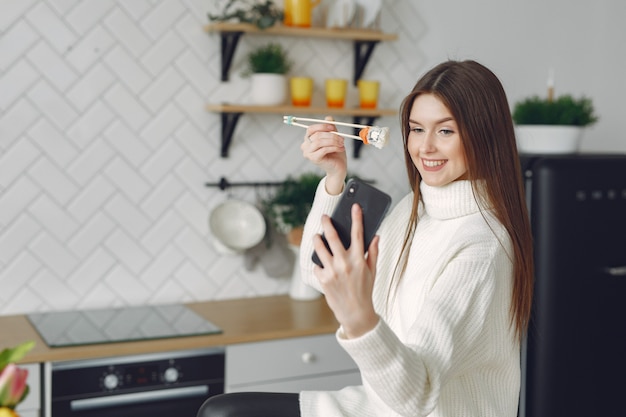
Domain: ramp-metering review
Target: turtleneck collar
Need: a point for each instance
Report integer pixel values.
(450, 201)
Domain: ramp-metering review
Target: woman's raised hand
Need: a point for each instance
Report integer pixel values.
(327, 151)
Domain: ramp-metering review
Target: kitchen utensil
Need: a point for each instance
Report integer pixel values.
(373, 135)
(237, 225)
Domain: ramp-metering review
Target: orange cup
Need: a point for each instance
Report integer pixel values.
(368, 93)
(301, 91)
(336, 89)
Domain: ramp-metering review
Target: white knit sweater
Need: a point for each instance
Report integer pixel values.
(444, 346)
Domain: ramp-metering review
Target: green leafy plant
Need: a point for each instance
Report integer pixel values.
(564, 110)
(289, 207)
(269, 59)
(261, 14)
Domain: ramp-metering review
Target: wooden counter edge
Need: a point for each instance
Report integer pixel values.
(241, 320)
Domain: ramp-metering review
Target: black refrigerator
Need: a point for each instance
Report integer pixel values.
(574, 357)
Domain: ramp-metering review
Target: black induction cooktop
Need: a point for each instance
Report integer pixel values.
(72, 328)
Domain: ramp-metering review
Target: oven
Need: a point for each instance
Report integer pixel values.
(155, 385)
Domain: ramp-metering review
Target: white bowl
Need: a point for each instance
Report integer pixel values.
(237, 225)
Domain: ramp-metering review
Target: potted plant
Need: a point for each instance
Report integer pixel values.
(261, 14)
(289, 207)
(545, 125)
(267, 66)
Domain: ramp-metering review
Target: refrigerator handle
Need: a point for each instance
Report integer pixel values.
(615, 271)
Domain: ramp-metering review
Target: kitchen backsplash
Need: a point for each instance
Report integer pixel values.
(105, 147)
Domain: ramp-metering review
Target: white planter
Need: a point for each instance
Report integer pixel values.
(268, 89)
(298, 289)
(548, 139)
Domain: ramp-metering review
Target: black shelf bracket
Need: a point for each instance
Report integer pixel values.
(229, 122)
(362, 53)
(229, 45)
(360, 120)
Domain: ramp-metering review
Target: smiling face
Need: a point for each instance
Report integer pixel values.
(434, 142)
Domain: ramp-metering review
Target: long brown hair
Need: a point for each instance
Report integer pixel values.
(478, 103)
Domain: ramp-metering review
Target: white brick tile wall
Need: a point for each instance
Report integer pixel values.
(53, 142)
(13, 241)
(17, 275)
(53, 255)
(53, 218)
(91, 271)
(127, 107)
(50, 27)
(128, 252)
(16, 160)
(126, 143)
(15, 199)
(51, 102)
(134, 77)
(57, 71)
(90, 87)
(15, 121)
(91, 198)
(16, 42)
(14, 82)
(90, 237)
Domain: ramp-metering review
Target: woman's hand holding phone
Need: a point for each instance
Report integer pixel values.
(348, 275)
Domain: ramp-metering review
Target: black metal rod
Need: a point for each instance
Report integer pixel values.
(224, 184)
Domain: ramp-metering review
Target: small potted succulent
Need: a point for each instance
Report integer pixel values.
(545, 125)
(267, 66)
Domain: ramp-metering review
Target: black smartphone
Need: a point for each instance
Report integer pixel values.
(373, 202)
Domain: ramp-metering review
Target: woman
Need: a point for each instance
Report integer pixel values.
(435, 313)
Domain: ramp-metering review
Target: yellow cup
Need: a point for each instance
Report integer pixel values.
(368, 93)
(301, 91)
(299, 12)
(336, 89)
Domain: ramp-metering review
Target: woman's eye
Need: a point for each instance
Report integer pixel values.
(416, 129)
(446, 132)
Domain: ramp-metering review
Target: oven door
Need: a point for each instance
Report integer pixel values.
(156, 385)
(180, 402)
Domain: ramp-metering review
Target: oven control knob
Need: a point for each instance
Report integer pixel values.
(110, 381)
(170, 375)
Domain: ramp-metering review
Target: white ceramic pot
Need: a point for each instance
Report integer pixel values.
(298, 289)
(268, 89)
(548, 139)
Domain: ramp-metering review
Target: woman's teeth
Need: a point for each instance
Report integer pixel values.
(434, 163)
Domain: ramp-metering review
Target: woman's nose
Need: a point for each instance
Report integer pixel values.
(428, 144)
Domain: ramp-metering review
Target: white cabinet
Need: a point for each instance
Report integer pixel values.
(31, 406)
(290, 365)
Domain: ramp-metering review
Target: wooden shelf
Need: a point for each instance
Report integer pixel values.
(312, 32)
(230, 114)
(364, 40)
(288, 110)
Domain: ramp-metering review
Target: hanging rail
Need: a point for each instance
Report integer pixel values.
(224, 184)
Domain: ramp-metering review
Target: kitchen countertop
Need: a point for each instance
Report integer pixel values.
(241, 320)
